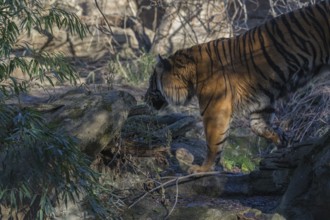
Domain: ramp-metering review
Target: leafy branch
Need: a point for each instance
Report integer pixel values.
(41, 165)
(16, 17)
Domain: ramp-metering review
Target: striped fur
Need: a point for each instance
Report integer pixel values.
(246, 73)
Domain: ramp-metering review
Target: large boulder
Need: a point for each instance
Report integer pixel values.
(308, 194)
(95, 119)
(291, 183)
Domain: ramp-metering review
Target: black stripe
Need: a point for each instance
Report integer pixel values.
(294, 36)
(225, 76)
(225, 132)
(243, 55)
(196, 76)
(272, 64)
(299, 41)
(216, 49)
(222, 141)
(310, 13)
(319, 30)
(303, 16)
(307, 42)
(188, 56)
(224, 73)
(276, 30)
(200, 51)
(254, 35)
(255, 66)
(231, 53)
(294, 20)
(208, 51)
(179, 65)
(224, 49)
(238, 40)
(250, 45)
(267, 110)
(325, 15)
(208, 103)
(290, 58)
(267, 93)
(276, 85)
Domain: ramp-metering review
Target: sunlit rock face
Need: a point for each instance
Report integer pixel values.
(95, 119)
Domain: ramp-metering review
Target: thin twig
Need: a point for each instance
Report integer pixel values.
(105, 19)
(176, 198)
(107, 23)
(177, 179)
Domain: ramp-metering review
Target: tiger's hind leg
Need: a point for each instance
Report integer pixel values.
(260, 122)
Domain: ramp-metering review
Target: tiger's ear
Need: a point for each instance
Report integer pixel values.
(162, 64)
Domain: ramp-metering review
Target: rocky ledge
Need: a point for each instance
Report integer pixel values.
(145, 156)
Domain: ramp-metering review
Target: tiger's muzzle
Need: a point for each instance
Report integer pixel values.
(154, 98)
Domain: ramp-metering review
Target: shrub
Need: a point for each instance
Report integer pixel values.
(40, 165)
(134, 71)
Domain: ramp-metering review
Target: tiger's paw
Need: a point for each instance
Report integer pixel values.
(199, 169)
(283, 138)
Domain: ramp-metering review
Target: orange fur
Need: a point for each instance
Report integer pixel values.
(247, 73)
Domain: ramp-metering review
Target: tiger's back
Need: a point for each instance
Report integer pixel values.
(247, 73)
(272, 59)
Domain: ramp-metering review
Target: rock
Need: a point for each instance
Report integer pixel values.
(286, 157)
(116, 33)
(182, 206)
(155, 129)
(184, 156)
(192, 146)
(95, 119)
(147, 135)
(88, 8)
(308, 194)
(301, 173)
(223, 213)
(141, 110)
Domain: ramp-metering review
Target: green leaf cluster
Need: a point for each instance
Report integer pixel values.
(135, 71)
(239, 154)
(24, 16)
(40, 165)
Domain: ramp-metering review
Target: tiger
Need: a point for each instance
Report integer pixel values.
(246, 73)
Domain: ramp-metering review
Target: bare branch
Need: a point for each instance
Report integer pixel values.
(176, 180)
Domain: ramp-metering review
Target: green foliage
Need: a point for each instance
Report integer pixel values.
(19, 16)
(135, 71)
(239, 155)
(241, 163)
(40, 165)
(39, 162)
(145, 64)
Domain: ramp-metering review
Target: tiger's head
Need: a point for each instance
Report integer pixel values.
(154, 96)
(171, 82)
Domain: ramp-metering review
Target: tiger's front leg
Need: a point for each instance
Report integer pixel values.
(216, 125)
